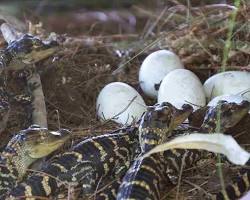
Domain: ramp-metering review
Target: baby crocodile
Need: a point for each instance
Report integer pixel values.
(89, 161)
(85, 164)
(148, 176)
(242, 183)
(155, 126)
(158, 122)
(224, 116)
(25, 51)
(238, 188)
(23, 149)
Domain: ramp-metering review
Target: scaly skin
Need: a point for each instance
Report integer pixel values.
(155, 127)
(85, 164)
(109, 192)
(23, 149)
(84, 167)
(147, 177)
(92, 160)
(25, 51)
(242, 184)
(158, 122)
(4, 109)
(238, 188)
(230, 115)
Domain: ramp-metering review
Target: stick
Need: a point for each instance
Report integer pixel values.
(39, 113)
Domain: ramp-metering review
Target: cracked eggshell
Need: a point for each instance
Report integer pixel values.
(182, 86)
(154, 68)
(230, 82)
(229, 98)
(114, 98)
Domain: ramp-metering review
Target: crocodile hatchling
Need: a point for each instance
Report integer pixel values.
(85, 164)
(155, 127)
(93, 159)
(97, 156)
(23, 149)
(238, 188)
(110, 191)
(25, 51)
(242, 183)
(147, 177)
(153, 132)
(17, 55)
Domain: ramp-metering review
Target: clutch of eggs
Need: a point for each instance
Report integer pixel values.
(154, 68)
(121, 103)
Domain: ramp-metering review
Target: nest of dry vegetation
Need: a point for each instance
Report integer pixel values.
(83, 65)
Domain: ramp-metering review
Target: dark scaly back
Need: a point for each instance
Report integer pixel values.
(155, 126)
(242, 183)
(21, 151)
(109, 192)
(147, 177)
(146, 180)
(4, 103)
(87, 163)
(8, 172)
(238, 188)
(158, 122)
(231, 114)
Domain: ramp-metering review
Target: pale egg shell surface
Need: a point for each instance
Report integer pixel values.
(114, 98)
(180, 87)
(154, 68)
(229, 98)
(230, 82)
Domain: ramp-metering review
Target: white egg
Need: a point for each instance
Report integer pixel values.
(154, 68)
(114, 98)
(182, 86)
(230, 82)
(229, 98)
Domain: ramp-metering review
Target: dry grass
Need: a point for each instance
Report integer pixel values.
(85, 64)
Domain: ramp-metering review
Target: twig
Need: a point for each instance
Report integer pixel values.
(180, 175)
(197, 187)
(39, 113)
